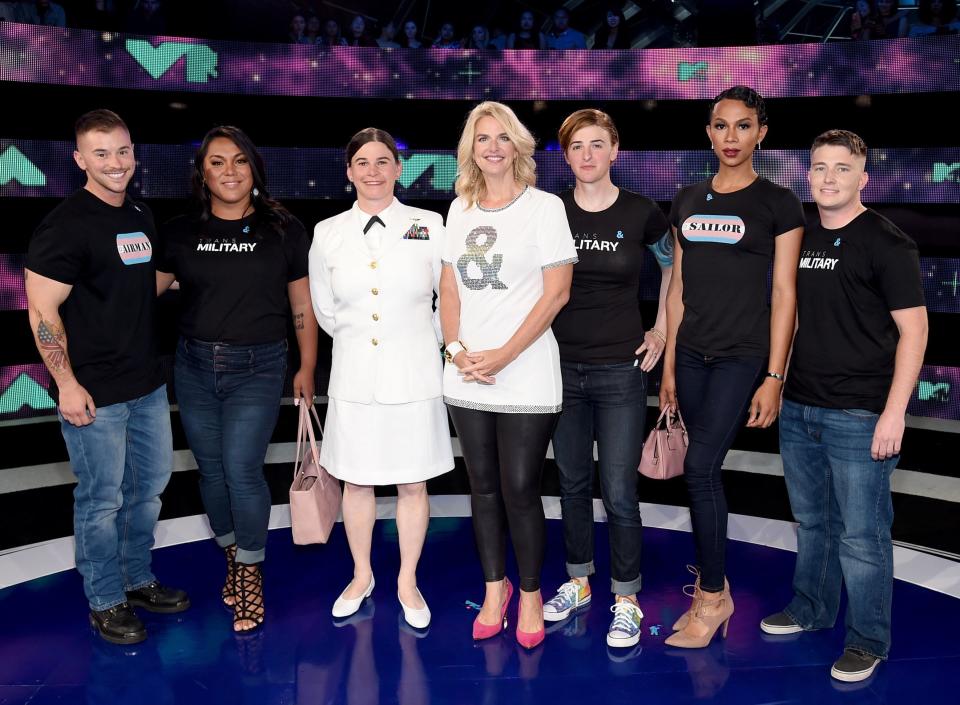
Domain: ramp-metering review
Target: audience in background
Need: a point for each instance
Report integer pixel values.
(331, 37)
(448, 37)
(95, 14)
(387, 37)
(935, 17)
(525, 36)
(358, 36)
(147, 17)
(613, 33)
(8, 12)
(498, 38)
(409, 39)
(878, 19)
(298, 26)
(479, 38)
(312, 34)
(41, 12)
(562, 35)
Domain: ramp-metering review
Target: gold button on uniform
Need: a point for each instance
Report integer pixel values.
(376, 317)
(373, 265)
(374, 291)
(375, 341)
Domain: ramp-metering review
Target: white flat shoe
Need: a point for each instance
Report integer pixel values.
(418, 619)
(344, 607)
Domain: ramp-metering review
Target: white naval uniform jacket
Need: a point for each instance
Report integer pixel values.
(377, 304)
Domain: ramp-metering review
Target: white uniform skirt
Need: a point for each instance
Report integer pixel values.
(386, 444)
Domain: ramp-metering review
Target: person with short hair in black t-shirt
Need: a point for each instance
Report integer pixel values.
(861, 334)
(726, 346)
(604, 359)
(242, 268)
(90, 291)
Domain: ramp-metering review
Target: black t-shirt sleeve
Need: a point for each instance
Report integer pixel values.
(897, 268)
(787, 212)
(296, 249)
(57, 254)
(656, 225)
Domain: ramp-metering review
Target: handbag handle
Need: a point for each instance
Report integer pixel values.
(306, 424)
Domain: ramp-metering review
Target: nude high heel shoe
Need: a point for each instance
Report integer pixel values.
(693, 591)
(713, 611)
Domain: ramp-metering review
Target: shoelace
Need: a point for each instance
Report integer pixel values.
(623, 616)
(566, 595)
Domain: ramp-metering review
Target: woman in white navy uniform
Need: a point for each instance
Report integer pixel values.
(373, 272)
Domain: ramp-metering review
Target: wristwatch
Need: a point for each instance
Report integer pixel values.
(452, 349)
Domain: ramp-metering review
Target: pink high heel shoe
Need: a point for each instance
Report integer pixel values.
(485, 631)
(529, 640)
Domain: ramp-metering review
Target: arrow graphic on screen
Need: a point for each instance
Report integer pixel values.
(14, 166)
(24, 391)
(444, 170)
(201, 63)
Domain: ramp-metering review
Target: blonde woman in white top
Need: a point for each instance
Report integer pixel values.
(507, 265)
(373, 272)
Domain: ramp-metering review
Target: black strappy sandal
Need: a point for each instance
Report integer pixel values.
(248, 592)
(227, 594)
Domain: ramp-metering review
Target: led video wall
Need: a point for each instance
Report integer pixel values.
(88, 58)
(47, 169)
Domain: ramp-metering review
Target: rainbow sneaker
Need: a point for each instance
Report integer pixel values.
(571, 597)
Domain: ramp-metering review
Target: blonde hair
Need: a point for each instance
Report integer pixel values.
(470, 185)
(588, 117)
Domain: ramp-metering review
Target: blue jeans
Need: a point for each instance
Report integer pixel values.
(122, 462)
(714, 394)
(609, 403)
(229, 398)
(840, 497)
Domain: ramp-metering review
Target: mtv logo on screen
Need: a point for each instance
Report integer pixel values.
(687, 71)
(14, 166)
(946, 172)
(444, 170)
(933, 391)
(201, 63)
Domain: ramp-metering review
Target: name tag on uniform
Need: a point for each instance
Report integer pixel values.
(417, 232)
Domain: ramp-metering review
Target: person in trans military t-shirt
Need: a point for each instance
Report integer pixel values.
(242, 268)
(91, 289)
(862, 330)
(726, 347)
(604, 359)
(507, 265)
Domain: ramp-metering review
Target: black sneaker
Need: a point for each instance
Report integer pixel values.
(854, 666)
(780, 623)
(158, 598)
(118, 625)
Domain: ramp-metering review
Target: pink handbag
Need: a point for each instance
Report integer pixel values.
(665, 448)
(314, 495)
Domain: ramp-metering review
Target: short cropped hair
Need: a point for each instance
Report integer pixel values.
(745, 95)
(841, 138)
(588, 117)
(100, 120)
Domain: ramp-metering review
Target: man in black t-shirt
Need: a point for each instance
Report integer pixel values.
(861, 335)
(91, 289)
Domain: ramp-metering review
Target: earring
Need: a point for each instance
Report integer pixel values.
(255, 192)
(758, 145)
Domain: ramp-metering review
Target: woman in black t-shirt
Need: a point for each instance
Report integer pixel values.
(242, 269)
(726, 347)
(604, 357)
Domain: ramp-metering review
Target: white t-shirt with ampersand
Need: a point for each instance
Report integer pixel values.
(498, 258)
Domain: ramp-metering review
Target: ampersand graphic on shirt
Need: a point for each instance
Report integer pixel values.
(476, 253)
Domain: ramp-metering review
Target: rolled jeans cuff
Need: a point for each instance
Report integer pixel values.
(580, 570)
(630, 587)
(250, 557)
(226, 540)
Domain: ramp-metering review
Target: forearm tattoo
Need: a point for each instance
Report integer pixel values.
(52, 339)
(298, 321)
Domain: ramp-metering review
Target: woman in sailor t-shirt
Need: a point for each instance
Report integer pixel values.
(726, 347)
(373, 273)
(506, 273)
(242, 268)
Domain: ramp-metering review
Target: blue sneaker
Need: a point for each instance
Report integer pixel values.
(570, 597)
(625, 628)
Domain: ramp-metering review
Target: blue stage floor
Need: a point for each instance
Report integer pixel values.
(49, 655)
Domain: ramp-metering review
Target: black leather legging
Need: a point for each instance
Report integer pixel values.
(504, 456)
